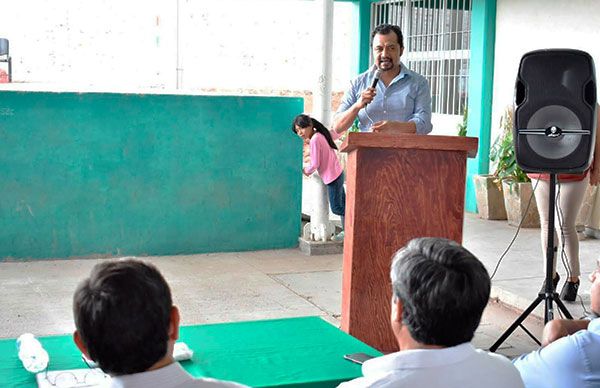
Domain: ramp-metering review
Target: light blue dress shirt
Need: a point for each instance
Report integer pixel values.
(572, 361)
(407, 98)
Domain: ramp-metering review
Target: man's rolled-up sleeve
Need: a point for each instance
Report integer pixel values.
(422, 114)
(348, 99)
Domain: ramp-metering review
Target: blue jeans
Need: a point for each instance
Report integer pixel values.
(337, 196)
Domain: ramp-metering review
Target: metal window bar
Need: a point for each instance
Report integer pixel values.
(437, 45)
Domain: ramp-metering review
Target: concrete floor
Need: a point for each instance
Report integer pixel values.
(35, 296)
(521, 273)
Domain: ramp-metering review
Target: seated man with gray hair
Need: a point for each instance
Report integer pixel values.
(439, 292)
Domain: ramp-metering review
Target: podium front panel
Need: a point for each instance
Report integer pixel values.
(393, 196)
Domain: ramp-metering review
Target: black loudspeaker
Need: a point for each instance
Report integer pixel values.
(555, 111)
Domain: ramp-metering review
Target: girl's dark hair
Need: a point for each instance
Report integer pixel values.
(304, 121)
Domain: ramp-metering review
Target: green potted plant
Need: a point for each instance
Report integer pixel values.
(462, 126)
(516, 186)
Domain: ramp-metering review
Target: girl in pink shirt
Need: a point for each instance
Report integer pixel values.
(324, 160)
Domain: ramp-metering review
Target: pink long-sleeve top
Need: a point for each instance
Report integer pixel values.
(323, 159)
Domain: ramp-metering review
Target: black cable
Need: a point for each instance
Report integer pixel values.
(585, 311)
(516, 233)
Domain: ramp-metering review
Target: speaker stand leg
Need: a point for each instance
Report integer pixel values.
(561, 306)
(517, 323)
(530, 334)
(548, 294)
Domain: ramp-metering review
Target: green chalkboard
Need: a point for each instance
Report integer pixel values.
(132, 174)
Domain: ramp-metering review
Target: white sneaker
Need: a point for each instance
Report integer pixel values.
(338, 237)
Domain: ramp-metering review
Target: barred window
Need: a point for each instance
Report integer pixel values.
(437, 45)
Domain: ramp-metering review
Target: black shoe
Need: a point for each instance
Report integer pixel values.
(555, 281)
(569, 291)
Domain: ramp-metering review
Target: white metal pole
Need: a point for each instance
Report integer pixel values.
(179, 65)
(324, 80)
(321, 228)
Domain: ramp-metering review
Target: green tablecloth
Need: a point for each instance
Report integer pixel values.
(282, 352)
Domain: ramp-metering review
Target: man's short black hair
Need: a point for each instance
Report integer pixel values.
(384, 29)
(122, 313)
(443, 288)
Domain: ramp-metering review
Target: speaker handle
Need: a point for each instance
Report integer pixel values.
(544, 131)
(520, 91)
(589, 93)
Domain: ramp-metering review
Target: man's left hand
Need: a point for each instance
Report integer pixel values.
(394, 127)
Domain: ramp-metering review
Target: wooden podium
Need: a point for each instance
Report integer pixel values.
(399, 186)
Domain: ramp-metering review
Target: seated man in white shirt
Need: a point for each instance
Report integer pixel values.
(439, 292)
(126, 323)
(570, 356)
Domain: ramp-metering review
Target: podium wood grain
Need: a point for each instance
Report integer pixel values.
(398, 187)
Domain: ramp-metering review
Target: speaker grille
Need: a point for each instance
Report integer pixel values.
(554, 147)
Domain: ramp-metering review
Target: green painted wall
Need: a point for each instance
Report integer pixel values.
(362, 11)
(481, 83)
(130, 174)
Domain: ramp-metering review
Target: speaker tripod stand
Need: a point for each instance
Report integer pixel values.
(548, 295)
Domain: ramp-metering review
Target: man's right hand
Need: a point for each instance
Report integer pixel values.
(343, 120)
(365, 98)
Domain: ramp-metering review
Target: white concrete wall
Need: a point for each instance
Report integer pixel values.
(523, 26)
(446, 125)
(230, 46)
(132, 44)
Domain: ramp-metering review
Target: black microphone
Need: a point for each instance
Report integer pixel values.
(376, 78)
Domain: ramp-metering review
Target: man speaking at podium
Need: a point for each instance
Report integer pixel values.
(388, 97)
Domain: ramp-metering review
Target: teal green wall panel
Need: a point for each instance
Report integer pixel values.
(363, 34)
(481, 83)
(130, 174)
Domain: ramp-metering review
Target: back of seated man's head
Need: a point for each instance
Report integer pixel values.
(443, 290)
(123, 315)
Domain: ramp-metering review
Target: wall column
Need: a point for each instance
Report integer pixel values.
(481, 83)
(362, 15)
(321, 229)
